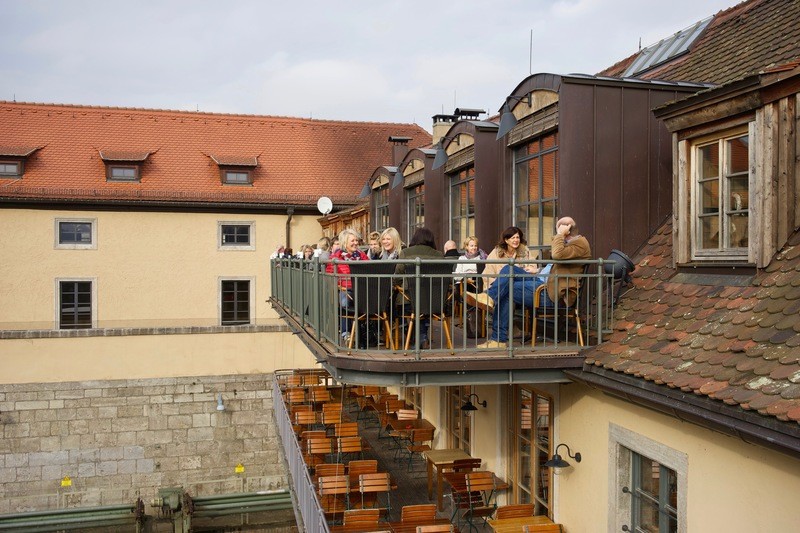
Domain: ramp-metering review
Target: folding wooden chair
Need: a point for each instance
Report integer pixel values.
(317, 451)
(371, 486)
(392, 406)
(349, 445)
(560, 311)
(334, 494)
(361, 519)
(295, 396)
(542, 528)
(357, 467)
(305, 419)
(419, 442)
(440, 528)
(328, 470)
(516, 510)
(415, 514)
(480, 488)
(345, 429)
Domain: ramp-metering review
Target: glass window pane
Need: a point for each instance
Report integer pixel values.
(708, 164)
(738, 155)
(737, 231)
(710, 197)
(709, 236)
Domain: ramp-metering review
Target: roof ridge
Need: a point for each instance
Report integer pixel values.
(200, 113)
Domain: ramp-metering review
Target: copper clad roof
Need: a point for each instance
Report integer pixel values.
(738, 345)
(299, 160)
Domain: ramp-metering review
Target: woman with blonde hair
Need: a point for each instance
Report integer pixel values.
(349, 251)
(390, 244)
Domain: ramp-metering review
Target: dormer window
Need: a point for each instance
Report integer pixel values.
(123, 166)
(12, 160)
(11, 169)
(236, 177)
(236, 170)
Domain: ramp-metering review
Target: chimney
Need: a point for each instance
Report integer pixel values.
(399, 148)
(441, 123)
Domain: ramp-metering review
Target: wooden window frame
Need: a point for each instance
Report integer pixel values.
(19, 164)
(237, 320)
(457, 182)
(224, 172)
(110, 167)
(380, 219)
(59, 304)
(458, 427)
(722, 252)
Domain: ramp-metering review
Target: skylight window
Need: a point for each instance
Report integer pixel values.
(666, 49)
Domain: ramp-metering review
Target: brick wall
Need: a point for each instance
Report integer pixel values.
(121, 439)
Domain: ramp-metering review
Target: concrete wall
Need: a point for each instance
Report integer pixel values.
(119, 439)
(730, 485)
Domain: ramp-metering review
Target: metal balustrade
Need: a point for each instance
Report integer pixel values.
(312, 296)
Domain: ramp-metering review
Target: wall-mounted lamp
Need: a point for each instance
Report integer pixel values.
(469, 406)
(441, 155)
(557, 463)
(365, 191)
(507, 119)
(220, 406)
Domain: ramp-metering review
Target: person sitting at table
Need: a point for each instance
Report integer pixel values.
(423, 245)
(390, 244)
(348, 252)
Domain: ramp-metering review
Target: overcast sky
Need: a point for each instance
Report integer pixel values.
(379, 60)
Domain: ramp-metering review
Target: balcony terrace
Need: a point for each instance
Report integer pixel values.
(543, 341)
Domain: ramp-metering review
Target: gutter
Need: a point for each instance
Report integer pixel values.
(750, 427)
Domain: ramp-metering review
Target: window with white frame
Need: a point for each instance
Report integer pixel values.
(11, 169)
(75, 234)
(648, 484)
(721, 197)
(536, 189)
(462, 204)
(235, 236)
(416, 209)
(116, 172)
(381, 212)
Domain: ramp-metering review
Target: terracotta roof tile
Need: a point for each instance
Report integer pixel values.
(299, 160)
(741, 346)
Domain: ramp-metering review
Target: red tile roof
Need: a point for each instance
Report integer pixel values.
(299, 159)
(745, 39)
(738, 345)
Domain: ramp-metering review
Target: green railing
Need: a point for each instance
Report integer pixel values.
(381, 295)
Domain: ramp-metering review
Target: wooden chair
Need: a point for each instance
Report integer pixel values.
(317, 450)
(543, 528)
(430, 302)
(348, 446)
(294, 380)
(305, 419)
(370, 486)
(345, 429)
(440, 528)
(312, 434)
(330, 419)
(560, 312)
(480, 488)
(419, 442)
(516, 510)
(361, 466)
(361, 518)
(328, 470)
(372, 290)
(467, 465)
(295, 396)
(415, 514)
(334, 494)
(392, 406)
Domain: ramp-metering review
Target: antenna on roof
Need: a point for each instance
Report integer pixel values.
(197, 107)
(640, 44)
(530, 56)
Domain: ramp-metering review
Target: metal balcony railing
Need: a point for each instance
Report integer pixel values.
(385, 304)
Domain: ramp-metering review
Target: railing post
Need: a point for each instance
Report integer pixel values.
(417, 287)
(600, 302)
(510, 317)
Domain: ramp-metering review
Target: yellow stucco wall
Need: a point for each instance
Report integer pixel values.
(732, 485)
(151, 268)
(150, 356)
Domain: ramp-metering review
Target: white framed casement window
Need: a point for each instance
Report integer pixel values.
(75, 233)
(236, 235)
(648, 484)
(721, 188)
(236, 300)
(75, 303)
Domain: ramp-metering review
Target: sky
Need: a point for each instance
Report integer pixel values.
(380, 61)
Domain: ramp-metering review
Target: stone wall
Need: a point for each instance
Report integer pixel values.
(120, 439)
